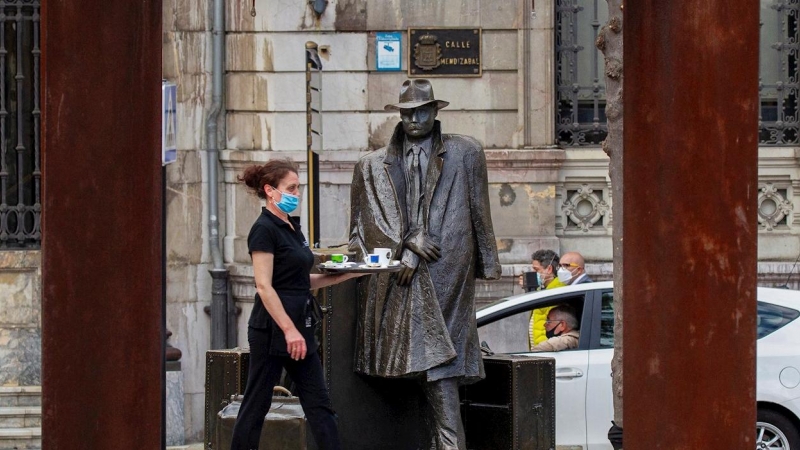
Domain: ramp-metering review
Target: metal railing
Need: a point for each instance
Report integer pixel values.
(20, 120)
(580, 82)
(778, 84)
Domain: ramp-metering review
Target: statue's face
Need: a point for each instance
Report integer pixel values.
(418, 122)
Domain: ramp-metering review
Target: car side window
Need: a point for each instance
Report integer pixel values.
(507, 335)
(771, 317)
(607, 320)
(511, 333)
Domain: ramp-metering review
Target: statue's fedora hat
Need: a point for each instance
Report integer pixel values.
(416, 93)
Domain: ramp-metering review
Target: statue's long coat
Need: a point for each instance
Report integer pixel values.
(428, 326)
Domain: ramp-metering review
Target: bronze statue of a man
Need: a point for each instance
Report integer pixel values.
(425, 195)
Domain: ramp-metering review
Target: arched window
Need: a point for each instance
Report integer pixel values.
(580, 82)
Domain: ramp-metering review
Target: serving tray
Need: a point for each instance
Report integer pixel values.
(357, 268)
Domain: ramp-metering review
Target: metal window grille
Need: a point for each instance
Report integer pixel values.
(580, 97)
(20, 175)
(580, 83)
(778, 84)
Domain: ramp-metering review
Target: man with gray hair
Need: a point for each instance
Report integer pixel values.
(562, 330)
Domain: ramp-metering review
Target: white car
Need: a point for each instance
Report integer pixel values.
(584, 407)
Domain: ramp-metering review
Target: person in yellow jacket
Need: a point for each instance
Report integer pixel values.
(545, 264)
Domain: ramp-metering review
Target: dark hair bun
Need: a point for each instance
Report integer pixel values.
(271, 173)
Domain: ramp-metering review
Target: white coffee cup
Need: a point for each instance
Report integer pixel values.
(385, 255)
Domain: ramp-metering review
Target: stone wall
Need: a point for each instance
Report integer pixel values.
(20, 318)
(187, 63)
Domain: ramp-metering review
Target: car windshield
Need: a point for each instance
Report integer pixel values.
(772, 317)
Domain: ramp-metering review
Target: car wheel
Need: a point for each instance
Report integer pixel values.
(775, 432)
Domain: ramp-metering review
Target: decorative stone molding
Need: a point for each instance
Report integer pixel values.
(336, 167)
(583, 208)
(773, 207)
(243, 284)
(779, 274)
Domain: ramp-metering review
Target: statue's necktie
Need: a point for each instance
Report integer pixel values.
(415, 176)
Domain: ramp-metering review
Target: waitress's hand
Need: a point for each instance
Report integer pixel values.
(295, 344)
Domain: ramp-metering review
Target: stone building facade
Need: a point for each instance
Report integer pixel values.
(545, 192)
(548, 189)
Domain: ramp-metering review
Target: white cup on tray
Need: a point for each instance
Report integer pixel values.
(384, 255)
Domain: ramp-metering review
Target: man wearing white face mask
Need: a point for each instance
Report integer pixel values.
(572, 269)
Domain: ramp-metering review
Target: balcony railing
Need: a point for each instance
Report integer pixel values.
(20, 121)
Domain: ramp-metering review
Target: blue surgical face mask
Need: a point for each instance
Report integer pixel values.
(288, 202)
(540, 279)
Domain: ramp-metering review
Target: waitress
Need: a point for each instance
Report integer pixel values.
(281, 326)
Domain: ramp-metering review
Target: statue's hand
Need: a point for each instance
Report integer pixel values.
(423, 246)
(410, 261)
(405, 275)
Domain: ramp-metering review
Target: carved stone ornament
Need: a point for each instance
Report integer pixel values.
(427, 52)
(773, 207)
(584, 208)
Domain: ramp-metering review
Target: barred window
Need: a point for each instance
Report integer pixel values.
(777, 84)
(580, 82)
(20, 175)
(580, 79)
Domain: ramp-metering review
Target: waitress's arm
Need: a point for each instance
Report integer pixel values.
(263, 263)
(320, 281)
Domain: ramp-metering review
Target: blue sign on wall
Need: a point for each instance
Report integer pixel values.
(388, 51)
(169, 122)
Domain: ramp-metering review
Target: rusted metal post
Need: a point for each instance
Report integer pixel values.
(690, 184)
(102, 333)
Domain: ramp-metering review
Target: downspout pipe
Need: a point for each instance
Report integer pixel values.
(219, 274)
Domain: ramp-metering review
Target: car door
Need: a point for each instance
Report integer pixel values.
(509, 334)
(599, 395)
(571, 378)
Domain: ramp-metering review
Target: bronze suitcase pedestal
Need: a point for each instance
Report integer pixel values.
(226, 376)
(513, 408)
(285, 426)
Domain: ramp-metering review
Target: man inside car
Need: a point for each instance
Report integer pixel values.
(561, 329)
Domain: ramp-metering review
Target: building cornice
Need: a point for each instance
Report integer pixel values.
(336, 167)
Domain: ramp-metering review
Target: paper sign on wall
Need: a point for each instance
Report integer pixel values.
(388, 51)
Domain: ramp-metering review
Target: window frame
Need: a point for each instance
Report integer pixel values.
(586, 320)
(597, 317)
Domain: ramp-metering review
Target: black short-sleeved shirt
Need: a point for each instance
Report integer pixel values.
(290, 276)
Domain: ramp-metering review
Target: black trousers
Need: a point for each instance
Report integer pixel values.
(263, 375)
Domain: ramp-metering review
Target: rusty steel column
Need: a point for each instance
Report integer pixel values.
(102, 358)
(690, 183)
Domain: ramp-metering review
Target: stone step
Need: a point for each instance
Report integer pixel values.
(20, 416)
(20, 396)
(21, 438)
